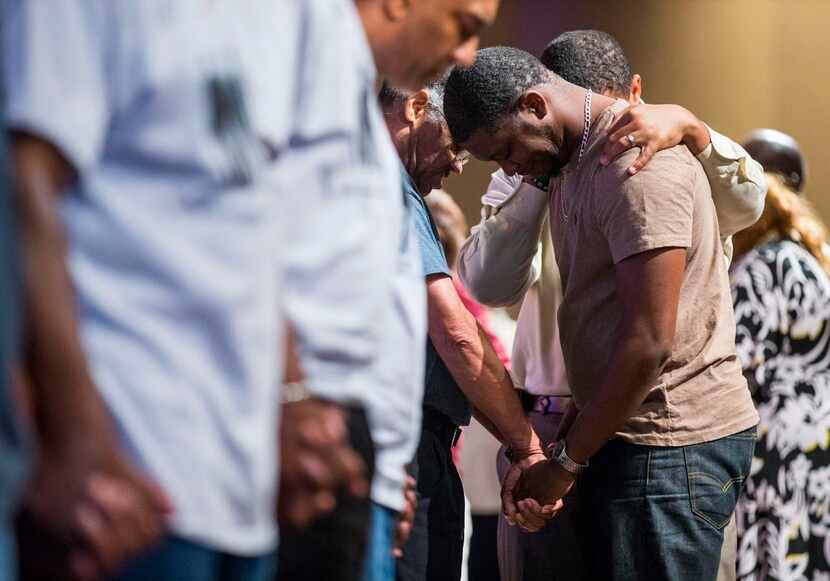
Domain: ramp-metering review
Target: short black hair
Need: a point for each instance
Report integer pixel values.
(591, 59)
(479, 97)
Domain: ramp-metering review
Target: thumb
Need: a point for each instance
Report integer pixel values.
(508, 502)
(156, 495)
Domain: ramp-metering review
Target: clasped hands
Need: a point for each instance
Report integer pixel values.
(532, 491)
(533, 488)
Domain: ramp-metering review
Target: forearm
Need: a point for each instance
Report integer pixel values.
(476, 368)
(696, 135)
(496, 262)
(487, 424)
(633, 369)
(61, 390)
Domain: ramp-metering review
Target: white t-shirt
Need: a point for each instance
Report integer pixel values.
(353, 288)
(171, 238)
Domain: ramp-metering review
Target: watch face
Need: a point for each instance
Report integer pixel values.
(560, 447)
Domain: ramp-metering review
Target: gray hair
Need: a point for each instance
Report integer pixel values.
(390, 97)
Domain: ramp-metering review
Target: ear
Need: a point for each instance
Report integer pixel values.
(636, 92)
(534, 103)
(396, 10)
(415, 108)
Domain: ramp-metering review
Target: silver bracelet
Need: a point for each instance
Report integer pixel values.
(295, 391)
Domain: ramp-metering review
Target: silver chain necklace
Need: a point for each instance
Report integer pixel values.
(585, 131)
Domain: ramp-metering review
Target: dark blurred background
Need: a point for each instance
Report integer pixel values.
(737, 64)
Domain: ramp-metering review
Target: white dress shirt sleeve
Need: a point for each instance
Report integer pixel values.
(499, 261)
(737, 181)
(54, 74)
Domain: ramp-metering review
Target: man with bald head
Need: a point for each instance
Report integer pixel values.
(780, 154)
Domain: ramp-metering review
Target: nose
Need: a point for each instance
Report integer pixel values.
(457, 166)
(465, 54)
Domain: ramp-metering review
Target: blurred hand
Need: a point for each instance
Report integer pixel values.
(316, 462)
(529, 514)
(86, 512)
(653, 128)
(406, 518)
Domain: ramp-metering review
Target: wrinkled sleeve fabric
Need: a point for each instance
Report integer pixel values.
(500, 260)
(54, 68)
(737, 181)
(343, 224)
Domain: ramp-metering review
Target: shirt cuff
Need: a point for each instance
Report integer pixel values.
(721, 150)
(502, 187)
(527, 207)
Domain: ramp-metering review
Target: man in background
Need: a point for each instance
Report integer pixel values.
(509, 259)
(464, 373)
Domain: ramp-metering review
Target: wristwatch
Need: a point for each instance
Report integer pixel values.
(560, 456)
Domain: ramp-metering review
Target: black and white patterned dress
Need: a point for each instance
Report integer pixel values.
(782, 310)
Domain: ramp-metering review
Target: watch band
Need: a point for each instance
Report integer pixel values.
(295, 391)
(560, 456)
(542, 182)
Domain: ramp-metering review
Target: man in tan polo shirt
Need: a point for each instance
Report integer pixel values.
(666, 421)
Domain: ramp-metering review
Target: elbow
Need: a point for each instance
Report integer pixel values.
(458, 346)
(753, 202)
(757, 209)
(654, 354)
(487, 291)
(457, 343)
(493, 299)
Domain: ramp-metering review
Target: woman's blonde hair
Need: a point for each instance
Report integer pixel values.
(789, 216)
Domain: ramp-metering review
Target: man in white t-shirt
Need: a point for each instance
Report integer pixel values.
(353, 289)
(146, 212)
(509, 258)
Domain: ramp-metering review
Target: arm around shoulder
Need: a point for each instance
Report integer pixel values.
(737, 181)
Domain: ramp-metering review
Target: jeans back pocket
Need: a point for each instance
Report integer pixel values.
(716, 473)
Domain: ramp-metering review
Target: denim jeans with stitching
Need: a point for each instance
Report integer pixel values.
(659, 513)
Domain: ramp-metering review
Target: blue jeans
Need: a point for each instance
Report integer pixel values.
(8, 553)
(180, 560)
(380, 563)
(658, 513)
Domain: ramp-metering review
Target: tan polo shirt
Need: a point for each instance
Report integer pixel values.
(601, 216)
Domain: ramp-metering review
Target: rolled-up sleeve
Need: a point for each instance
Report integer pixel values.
(54, 74)
(737, 181)
(496, 263)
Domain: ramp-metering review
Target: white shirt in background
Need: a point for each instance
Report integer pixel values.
(509, 255)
